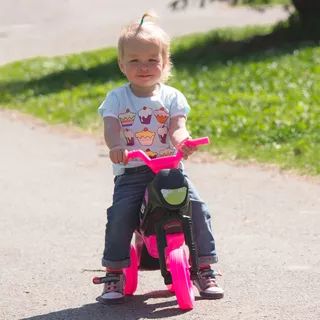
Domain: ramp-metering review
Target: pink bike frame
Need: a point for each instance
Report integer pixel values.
(174, 240)
(165, 162)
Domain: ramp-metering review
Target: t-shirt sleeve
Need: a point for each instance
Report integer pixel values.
(179, 105)
(110, 106)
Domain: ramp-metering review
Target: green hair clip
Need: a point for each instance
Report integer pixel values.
(142, 19)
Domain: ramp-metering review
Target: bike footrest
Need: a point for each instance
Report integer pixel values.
(99, 280)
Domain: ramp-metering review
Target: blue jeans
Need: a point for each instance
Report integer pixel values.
(123, 219)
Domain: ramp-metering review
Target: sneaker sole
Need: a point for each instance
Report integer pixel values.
(211, 296)
(110, 301)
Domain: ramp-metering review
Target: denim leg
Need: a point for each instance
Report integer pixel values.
(123, 218)
(203, 234)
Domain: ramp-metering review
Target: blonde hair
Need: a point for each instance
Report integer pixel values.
(146, 29)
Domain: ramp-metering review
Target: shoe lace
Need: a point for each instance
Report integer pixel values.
(111, 282)
(209, 277)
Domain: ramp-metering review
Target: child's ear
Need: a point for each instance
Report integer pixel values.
(121, 66)
(165, 62)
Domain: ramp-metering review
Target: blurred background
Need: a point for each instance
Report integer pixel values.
(44, 27)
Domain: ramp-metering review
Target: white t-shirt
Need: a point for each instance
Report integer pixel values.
(144, 121)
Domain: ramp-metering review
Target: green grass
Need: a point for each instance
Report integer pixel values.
(263, 106)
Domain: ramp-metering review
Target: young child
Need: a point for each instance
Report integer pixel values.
(146, 114)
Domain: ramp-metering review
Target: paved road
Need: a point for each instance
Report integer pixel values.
(44, 27)
(54, 189)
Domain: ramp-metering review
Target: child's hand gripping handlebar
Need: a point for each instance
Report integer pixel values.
(165, 162)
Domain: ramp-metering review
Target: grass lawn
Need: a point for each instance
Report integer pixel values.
(263, 106)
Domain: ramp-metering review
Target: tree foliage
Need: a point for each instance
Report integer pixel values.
(302, 6)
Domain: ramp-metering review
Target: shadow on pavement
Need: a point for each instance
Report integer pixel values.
(134, 308)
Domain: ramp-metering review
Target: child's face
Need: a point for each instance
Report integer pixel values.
(142, 62)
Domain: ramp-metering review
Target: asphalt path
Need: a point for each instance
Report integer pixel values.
(46, 28)
(55, 186)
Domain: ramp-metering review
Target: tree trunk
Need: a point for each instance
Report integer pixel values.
(307, 6)
(309, 22)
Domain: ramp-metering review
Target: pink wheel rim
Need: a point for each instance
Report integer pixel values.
(180, 273)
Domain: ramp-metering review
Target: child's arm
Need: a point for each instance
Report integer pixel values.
(112, 139)
(178, 134)
(111, 132)
(178, 131)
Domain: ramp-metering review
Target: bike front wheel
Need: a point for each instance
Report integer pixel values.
(181, 281)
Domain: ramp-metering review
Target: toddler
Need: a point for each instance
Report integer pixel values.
(146, 114)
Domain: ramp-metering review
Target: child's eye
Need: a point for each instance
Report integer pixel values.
(153, 60)
(134, 60)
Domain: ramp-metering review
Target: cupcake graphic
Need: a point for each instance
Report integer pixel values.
(145, 115)
(145, 137)
(162, 134)
(151, 154)
(161, 115)
(166, 152)
(127, 118)
(129, 137)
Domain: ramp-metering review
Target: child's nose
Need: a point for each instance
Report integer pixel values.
(143, 66)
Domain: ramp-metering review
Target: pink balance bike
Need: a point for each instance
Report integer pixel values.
(165, 226)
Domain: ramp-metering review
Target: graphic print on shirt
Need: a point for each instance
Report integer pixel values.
(127, 118)
(129, 137)
(166, 152)
(151, 154)
(161, 115)
(162, 134)
(145, 137)
(145, 115)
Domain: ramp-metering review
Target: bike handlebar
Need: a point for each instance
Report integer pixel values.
(165, 162)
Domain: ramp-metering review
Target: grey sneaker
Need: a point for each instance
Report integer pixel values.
(207, 285)
(113, 291)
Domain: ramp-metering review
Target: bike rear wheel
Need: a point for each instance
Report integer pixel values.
(170, 287)
(182, 283)
(147, 262)
(131, 273)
